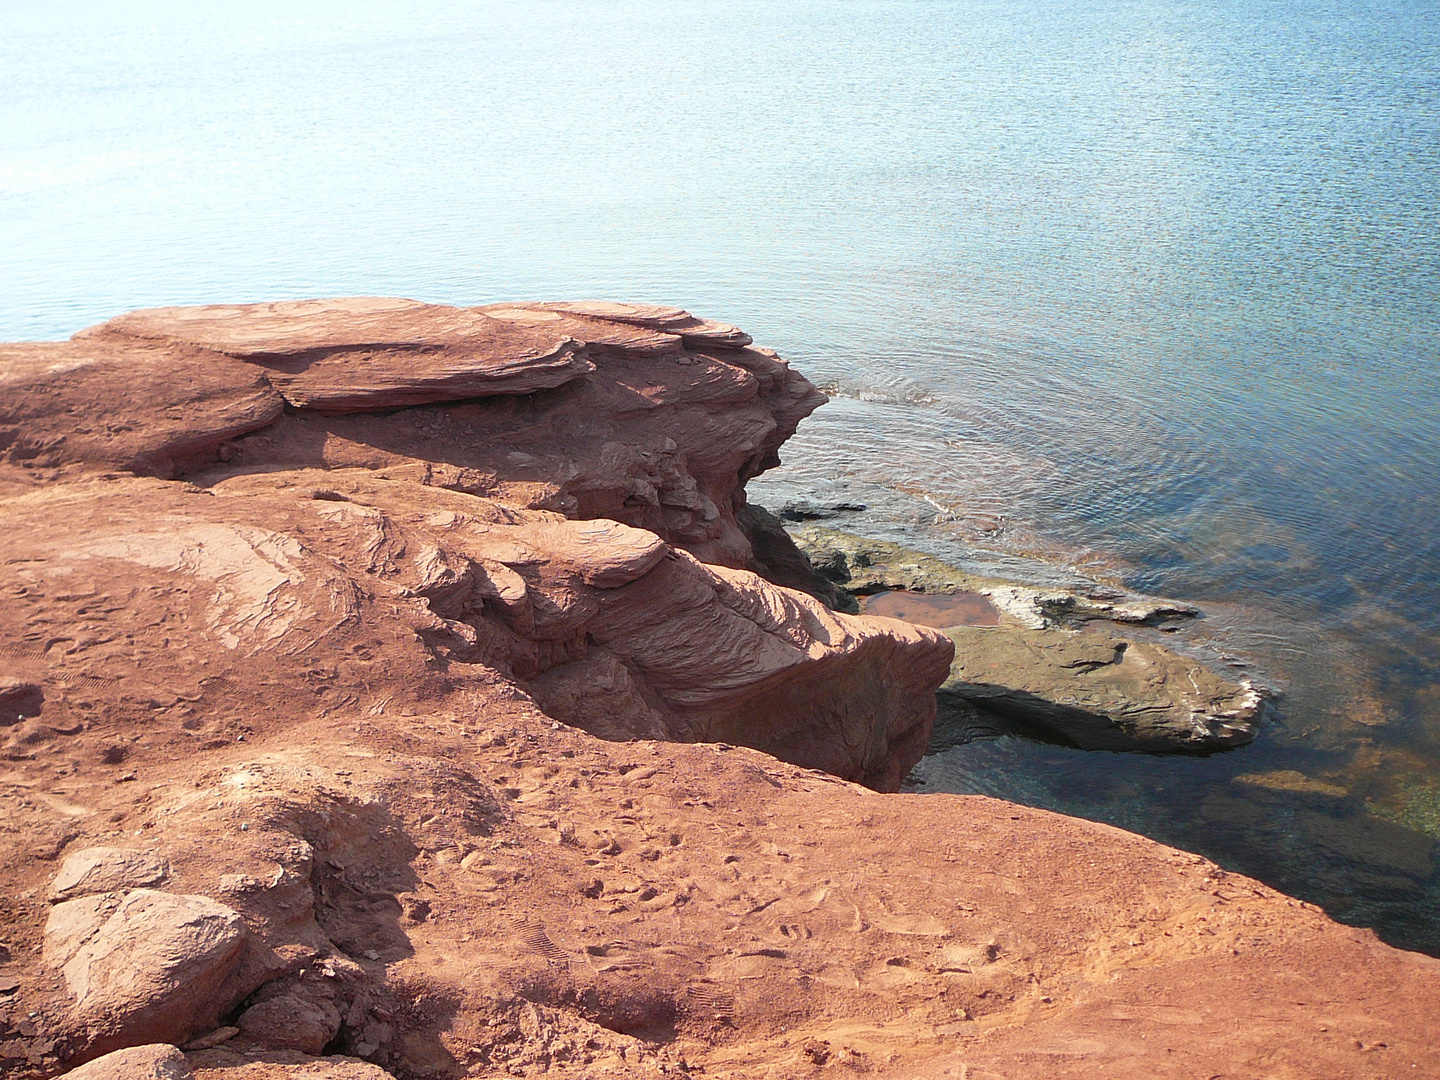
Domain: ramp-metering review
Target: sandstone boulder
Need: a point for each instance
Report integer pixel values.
(153, 1061)
(156, 969)
(723, 656)
(291, 1022)
(71, 923)
(107, 869)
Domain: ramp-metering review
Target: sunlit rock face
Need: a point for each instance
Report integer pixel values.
(311, 614)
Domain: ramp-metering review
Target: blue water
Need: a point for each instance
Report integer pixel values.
(1153, 285)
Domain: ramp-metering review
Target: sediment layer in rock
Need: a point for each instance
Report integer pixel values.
(582, 414)
(389, 588)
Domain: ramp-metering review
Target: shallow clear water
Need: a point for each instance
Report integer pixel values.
(1150, 285)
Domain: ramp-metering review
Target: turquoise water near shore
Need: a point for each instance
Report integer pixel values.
(1146, 288)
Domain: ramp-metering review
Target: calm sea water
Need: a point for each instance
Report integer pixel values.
(1150, 284)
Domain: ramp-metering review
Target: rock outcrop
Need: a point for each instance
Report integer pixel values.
(661, 419)
(1062, 664)
(311, 614)
(611, 628)
(107, 869)
(634, 413)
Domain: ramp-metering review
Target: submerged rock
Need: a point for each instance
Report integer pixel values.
(1101, 692)
(1293, 782)
(865, 566)
(1021, 655)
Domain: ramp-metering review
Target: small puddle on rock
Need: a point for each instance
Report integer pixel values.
(956, 609)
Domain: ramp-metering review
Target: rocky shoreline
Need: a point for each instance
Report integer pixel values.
(1057, 663)
(314, 612)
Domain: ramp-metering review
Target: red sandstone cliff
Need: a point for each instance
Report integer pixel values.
(304, 605)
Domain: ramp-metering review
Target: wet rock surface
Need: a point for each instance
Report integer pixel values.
(1049, 662)
(864, 566)
(1100, 692)
(312, 795)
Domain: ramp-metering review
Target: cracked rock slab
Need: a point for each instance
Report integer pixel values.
(107, 869)
(362, 353)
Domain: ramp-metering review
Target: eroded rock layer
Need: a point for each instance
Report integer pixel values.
(622, 411)
(365, 588)
(310, 614)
